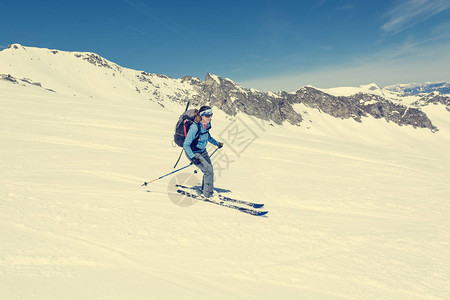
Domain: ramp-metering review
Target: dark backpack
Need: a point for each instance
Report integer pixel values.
(182, 128)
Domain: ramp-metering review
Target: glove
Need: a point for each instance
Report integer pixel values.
(220, 145)
(196, 161)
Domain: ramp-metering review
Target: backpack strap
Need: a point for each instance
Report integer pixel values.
(197, 137)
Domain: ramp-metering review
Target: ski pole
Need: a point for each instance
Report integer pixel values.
(146, 183)
(179, 157)
(214, 152)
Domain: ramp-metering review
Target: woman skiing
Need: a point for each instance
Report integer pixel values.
(195, 144)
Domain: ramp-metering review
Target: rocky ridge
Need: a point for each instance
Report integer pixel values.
(230, 97)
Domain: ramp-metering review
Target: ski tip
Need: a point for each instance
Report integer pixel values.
(262, 213)
(258, 205)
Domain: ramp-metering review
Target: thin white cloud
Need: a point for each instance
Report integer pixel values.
(155, 15)
(410, 12)
(143, 32)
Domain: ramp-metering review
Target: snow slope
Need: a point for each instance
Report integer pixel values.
(357, 211)
(85, 74)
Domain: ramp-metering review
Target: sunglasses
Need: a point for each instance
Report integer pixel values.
(208, 115)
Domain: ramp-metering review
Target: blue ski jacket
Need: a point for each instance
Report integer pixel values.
(204, 138)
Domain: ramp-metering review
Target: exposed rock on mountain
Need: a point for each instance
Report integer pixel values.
(96, 60)
(433, 98)
(362, 105)
(25, 81)
(93, 76)
(232, 98)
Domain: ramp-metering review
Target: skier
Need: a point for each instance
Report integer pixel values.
(195, 148)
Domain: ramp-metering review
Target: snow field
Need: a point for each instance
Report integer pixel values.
(356, 211)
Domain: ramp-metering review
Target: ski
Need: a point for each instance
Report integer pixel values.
(222, 203)
(225, 198)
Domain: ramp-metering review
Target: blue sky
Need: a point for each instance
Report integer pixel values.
(268, 45)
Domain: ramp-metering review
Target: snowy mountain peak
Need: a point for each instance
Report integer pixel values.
(16, 46)
(215, 78)
(370, 86)
(410, 89)
(88, 75)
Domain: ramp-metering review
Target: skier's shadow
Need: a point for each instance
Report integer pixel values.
(219, 190)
